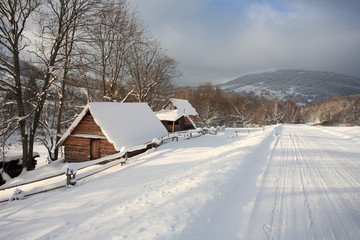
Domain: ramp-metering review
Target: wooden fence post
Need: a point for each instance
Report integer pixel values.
(70, 178)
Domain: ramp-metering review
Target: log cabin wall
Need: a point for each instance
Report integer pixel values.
(107, 148)
(182, 123)
(167, 125)
(77, 149)
(88, 126)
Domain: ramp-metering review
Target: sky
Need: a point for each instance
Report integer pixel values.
(219, 40)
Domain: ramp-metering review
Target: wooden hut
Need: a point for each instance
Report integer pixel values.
(177, 115)
(105, 128)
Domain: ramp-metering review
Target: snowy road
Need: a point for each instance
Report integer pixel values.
(310, 188)
(287, 182)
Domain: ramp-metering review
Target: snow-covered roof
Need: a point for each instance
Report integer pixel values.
(124, 124)
(169, 115)
(183, 108)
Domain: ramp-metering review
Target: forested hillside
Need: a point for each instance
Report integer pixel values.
(217, 107)
(299, 86)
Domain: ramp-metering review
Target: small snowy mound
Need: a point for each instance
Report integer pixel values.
(156, 141)
(17, 195)
(70, 168)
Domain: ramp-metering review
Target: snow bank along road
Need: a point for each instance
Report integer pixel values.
(287, 182)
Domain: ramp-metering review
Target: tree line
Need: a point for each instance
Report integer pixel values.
(216, 108)
(56, 55)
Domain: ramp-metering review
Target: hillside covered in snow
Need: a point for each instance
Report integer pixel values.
(299, 86)
(283, 182)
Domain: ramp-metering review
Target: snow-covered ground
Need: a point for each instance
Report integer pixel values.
(287, 182)
(16, 150)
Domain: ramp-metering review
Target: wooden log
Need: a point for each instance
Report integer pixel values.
(107, 148)
(77, 149)
(77, 141)
(88, 126)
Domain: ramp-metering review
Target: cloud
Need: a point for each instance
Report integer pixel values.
(220, 40)
(299, 38)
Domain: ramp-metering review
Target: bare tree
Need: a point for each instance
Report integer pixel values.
(355, 111)
(244, 111)
(291, 112)
(60, 30)
(55, 19)
(260, 115)
(7, 128)
(67, 51)
(149, 68)
(210, 105)
(115, 29)
(128, 63)
(273, 111)
(14, 16)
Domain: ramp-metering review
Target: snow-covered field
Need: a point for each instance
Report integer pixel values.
(287, 182)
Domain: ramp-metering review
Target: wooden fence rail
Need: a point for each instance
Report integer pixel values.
(108, 163)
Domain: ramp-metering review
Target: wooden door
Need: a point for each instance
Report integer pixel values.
(95, 147)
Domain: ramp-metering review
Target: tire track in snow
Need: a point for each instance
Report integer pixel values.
(278, 218)
(274, 178)
(303, 182)
(316, 181)
(224, 216)
(307, 192)
(329, 177)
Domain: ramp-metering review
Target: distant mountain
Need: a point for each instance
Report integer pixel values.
(300, 86)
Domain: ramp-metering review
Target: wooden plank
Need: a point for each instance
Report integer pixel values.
(105, 153)
(80, 150)
(77, 149)
(88, 126)
(75, 152)
(77, 141)
(107, 148)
